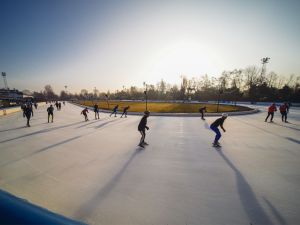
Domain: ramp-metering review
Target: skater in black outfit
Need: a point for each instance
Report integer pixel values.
(56, 104)
(50, 110)
(141, 128)
(214, 126)
(125, 111)
(115, 110)
(202, 110)
(23, 107)
(84, 112)
(30, 105)
(28, 113)
(35, 105)
(96, 110)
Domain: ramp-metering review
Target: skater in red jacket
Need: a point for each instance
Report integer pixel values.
(283, 111)
(271, 111)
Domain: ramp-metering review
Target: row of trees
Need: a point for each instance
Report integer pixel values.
(249, 84)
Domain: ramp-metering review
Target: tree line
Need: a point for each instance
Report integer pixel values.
(249, 84)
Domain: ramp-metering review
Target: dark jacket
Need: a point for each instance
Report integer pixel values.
(115, 109)
(96, 108)
(50, 109)
(218, 122)
(143, 124)
(28, 111)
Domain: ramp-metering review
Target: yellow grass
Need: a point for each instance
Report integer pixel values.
(163, 107)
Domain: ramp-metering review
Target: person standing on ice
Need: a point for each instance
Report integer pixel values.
(84, 112)
(50, 110)
(214, 126)
(96, 110)
(271, 111)
(142, 128)
(28, 113)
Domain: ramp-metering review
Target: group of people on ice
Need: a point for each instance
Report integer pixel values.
(28, 111)
(85, 112)
(284, 109)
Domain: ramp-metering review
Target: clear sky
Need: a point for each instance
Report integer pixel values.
(108, 44)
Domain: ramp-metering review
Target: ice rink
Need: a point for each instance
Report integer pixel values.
(94, 172)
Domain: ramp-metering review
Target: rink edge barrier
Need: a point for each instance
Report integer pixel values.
(252, 111)
(11, 110)
(15, 210)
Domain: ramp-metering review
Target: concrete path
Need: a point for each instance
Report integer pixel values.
(93, 171)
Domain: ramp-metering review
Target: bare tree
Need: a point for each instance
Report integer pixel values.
(251, 74)
(271, 79)
(48, 92)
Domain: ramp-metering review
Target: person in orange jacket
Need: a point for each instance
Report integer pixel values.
(271, 111)
(283, 111)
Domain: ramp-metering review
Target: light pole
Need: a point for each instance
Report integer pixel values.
(145, 92)
(66, 89)
(219, 95)
(4, 80)
(106, 96)
(264, 61)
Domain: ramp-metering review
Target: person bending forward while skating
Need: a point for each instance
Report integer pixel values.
(84, 112)
(214, 126)
(142, 128)
(125, 111)
(115, 110)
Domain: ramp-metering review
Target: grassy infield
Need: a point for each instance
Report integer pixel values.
(164, 107)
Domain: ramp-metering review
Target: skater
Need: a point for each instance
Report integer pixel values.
(214, 127)
(202, 110)
(50, 110)
(115, 109)
(84, 112)
(271, 111)
(35, 105)
(288, 105)
(28, 113)
(125, 111)
(283, 111)
(64, 103)
(59, 105)
(56, 105)
(23, 107)
(141, 128)
(31, 107)
(96, 110)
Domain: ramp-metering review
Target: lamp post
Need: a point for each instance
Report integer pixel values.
(106, 96)
(66, 90)
(264, 61)
(146, 96)
(219, 95)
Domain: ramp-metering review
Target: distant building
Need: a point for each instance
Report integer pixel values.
(11, 94)
(11, 97)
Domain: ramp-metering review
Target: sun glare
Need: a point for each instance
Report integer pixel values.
(185, 58)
